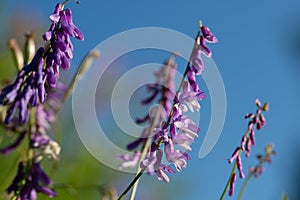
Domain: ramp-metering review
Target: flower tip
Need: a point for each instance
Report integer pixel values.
(200, 24)
(257, 102)
(265, 107)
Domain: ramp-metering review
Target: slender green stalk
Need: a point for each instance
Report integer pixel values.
(132, 184)
(146, 147)
(83, 67)
(139, 173)
(244, 186)
(228, 182)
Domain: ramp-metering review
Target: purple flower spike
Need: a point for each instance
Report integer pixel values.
(59, 33)
(28, 88)
(26, 185)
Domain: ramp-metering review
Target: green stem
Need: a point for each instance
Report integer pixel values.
(83, 67)
(228, 182)
(134, 182)
(146, 147)
(244, 186)
(131, 184)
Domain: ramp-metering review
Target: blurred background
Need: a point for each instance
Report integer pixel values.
(258, 55)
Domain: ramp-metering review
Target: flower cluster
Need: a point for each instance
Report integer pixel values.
(28, 89)
(164, 88)
(32, 80)
(36, 94)
(257, 121)
(174, 129)
(61, 51)
(257, 170)
(29, 181)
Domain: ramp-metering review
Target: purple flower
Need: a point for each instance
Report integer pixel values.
(160, 168)
(235, 154)
(153, 161)
(173, 129)
(177, 157)
(201, 47)
(61, 29)
(128, 161)
(28, 88)
(163, 86)
(186, 126)
(247, 141)
(240, 167)
(190, 97)
(208, 35)
(197, 63)
(232, 183)
(26, 185)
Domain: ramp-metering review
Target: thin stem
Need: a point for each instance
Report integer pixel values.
(244, 186)
(134, 182)
(228, 182)
(131, 184)
(146, 147)
(83, 67)
(64, 3)
(184, 75)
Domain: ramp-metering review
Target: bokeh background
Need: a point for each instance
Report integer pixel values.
(258, 55)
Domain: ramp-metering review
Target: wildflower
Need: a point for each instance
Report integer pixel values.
(174, 129)
(153, 161)
(61, 52)
(163, 86)
(190, 97)
(201, 47)
(26, 185)
(28, 88)
(232, 183)
(248, 140)
(128, 161)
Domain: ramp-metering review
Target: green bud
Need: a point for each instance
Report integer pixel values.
(16, 53)
(29, 48)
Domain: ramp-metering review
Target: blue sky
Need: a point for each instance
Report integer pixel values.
(255, 57)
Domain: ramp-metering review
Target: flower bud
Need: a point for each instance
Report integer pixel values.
(265, 107)
(29, 48)
(16, 53)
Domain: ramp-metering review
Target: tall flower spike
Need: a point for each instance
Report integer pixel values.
(26, 185)
(174, 130)
(246, 143)
(26, 90)
(59, 33)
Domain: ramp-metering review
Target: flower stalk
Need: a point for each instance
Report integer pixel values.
(257, 121)
(151, 155)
